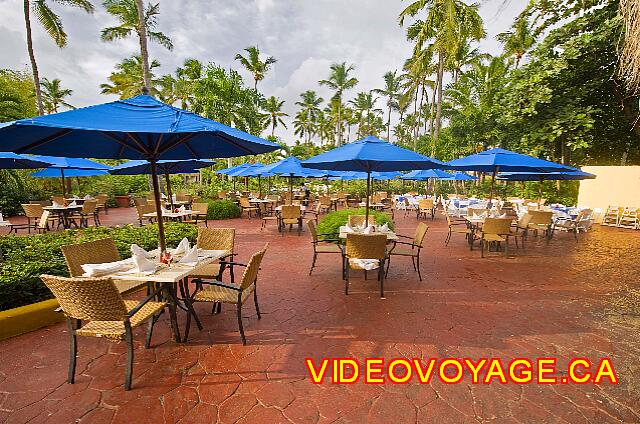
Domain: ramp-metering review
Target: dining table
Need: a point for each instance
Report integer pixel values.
(172, 216)
(279, 208)
(172, 278)
(64, 213)
(391, 236)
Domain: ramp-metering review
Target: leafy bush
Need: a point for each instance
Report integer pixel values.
(223, 209)
(332, 222)
(25, 258)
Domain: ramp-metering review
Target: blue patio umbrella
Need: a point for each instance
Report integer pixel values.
(463, 176)
(371, 154)
(425, 174)
(61, 166)
(225, 171)
(568, 175)
(137, 128)
(166, 167)
(253, 170)
(69, 173)
(501, 160)
(10, 160)
(236, 169)
(292, 167)
(354, 175)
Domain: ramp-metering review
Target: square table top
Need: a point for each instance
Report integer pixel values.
(391, 236)
(61, 208)
(171, 214)
(302, 207)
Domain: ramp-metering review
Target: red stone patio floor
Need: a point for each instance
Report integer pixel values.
(563, 300)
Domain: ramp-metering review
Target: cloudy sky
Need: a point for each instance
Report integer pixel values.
(306, 36)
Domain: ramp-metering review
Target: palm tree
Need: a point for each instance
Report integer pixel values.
(391, 90)
(464, 56)
(134, 17)
(129, 77)
(54, 95)
(273, 107)
(364, 106)
(340, 81)
(519, 40)
(447, 24)
(302, 125)
(52, 26)
(253, 64)
(310, 103)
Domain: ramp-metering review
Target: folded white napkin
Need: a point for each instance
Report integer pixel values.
(367, 264)
(88, 197)
(143, 264)
(383, 228)
(369, 230)
(73, 204)
(182, 208)
(137, 250)
(183, 247)
(1, 217)
(348, 229)
(56, 205)
(97, 270)
(191, 258)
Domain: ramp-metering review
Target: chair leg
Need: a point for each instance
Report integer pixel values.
(313, 264)
(129, 370)
(481, 248)
(446, 240)
(150, 324)
(381, 278)
(413, 261)
(255, 302)
(418, 266)
(388, 265)
(244, 340)
(73, 350)
(346, 280)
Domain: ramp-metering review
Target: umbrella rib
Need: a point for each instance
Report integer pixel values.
(177, 141)
(124, 143)
(43, 141)
(235, 143)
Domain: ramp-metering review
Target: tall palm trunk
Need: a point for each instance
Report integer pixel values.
(144, 50)
(419, 113)
(32, 57)
(432, 116)
(436, 131)
(340, 121)
(389, 125)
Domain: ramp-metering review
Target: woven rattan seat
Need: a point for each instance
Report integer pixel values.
(214, 239)
(365, 246)
(115, 329)
(328, 248)
(217, 292)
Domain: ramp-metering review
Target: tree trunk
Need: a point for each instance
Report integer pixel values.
(436, 131)
(389, 125)
(339, 121)
(32, 57)
(144, 51)
(433, 111)
(417, 129)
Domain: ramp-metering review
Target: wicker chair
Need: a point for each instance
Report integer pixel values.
(573, 225)
(201, 216)
(215, 239)
(365, 246)
(222, 195)
(542, 221)
(358, 220)
(247, 207)
(456, 226)
(426, 207)
(58, 199)
(217, 292)
(267, 214)
(495, 230)
(414, 249)
(290, 215)
(102, 202)
(141, 210)
(98, 301)
(322, 245)
(520, 228)
(89, 209)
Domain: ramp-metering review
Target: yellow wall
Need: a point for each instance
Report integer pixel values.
(614, 185)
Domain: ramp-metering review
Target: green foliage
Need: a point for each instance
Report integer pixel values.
(223, 209)
(332, 222)
(26, 258)
(17, 95)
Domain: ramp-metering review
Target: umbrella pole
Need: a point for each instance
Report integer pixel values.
(540, 192)
(291, 189)
(246, 184)
(156, 196)
(259, 187)
(64, 185)
(493, 181)
(366, 214)
(168, 181)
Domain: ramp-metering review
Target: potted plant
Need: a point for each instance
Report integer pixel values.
(121, 195)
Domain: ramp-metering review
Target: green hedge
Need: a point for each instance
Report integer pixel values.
(25, 258)
(332, 222)
(223, 209)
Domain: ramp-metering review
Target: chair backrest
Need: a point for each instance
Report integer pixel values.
(244, 202)
(216, 239)
(290, 212)
(222, 195)
(325, 201)
(42, 223)
(313, 230)
(140, 201)
(254, 195)
(58, 199)
(421, 232)
(95, 299)
(425, 204)
(91, 252)
(541, 217)
(525, 220)
(202, 208)
(181, 197)
(356, 220)
(102, 198)
(366, 246)
(472, 211)
(251, 271)
(32, 210)
(498, 226)
(143, 209)
(89, 206)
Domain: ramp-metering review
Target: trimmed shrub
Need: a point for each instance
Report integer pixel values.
(223, 209)
(25, 258)
(332, 222)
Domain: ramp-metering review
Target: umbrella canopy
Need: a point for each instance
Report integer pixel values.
(137, 128)
(425, 174)
(61, 166)
(462, 176)
(226, 171)
(254, 170)
(548, 176)
(354, 175)
(371, 154)
(10, 160)
(236, 170)
(142, 167)
(501, 160)
(68, 173)
(292, 167)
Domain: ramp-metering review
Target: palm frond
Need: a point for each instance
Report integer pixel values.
(50, 22)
